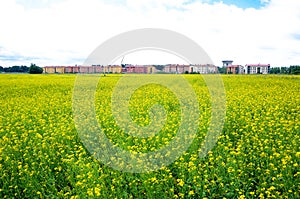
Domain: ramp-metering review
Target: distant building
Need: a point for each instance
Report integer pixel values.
(235, 69)
(137, 69)
(83, 69)
(181, 69)
(49, 69)
(197, 68)
(140, 69)
(114, 68)
(57, 69)
(71, 69)
(203, 68)
(227, 63)
(257, 68)
(176, 68)
(87, 69)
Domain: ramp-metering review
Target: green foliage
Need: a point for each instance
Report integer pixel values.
(294, 70)
(15, 69)
(222, 70)
(34, 69)
(275, 70)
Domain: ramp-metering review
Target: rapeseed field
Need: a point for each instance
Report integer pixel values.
(257, 154)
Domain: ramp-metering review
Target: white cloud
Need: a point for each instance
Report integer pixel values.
(65, 32)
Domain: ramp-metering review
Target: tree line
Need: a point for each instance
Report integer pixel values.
(33, 69)
(295, 70)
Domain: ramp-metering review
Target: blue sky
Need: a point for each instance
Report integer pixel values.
(239, 3)
(65, 32)
(244, 3)
(29, 4)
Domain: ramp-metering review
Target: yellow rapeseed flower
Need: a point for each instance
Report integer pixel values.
(180, 182)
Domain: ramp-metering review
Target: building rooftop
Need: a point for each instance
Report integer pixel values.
(258, 65)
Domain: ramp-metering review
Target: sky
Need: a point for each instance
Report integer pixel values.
(65, 32)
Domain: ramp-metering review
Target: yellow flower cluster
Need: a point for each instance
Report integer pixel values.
(256, 156)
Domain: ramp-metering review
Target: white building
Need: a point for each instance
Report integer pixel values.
(257, 69)
(203, 69)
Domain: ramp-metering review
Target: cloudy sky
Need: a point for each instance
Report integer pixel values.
(65, 32)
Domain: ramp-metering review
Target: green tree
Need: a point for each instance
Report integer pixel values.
(275, 70)
(284, 70)
(24, 69)
(34, 69)
(222, 70)
(15, 69)
(295, 70)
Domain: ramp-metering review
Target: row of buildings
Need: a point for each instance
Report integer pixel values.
(169, 68)
(128, 68)
(247, 69)
(82, 69)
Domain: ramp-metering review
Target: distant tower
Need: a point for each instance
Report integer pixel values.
(227, 63)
